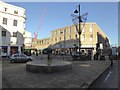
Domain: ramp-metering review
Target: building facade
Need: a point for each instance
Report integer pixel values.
(12, 28)
(66, 39)
(27, 40)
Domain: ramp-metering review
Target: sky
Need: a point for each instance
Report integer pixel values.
(58, 15)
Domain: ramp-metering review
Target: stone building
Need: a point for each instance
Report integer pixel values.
(12, 29)
(66, 39)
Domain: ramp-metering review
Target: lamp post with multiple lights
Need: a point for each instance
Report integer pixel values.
(80, 19)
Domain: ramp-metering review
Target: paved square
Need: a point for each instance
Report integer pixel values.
(82, 73)
(0, 73)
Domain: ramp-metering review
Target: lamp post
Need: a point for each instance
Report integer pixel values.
(64, 33)
(79, 30)
(79, 18)
(60, 48)
(64, 41)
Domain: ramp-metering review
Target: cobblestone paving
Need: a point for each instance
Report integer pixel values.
(16, 76)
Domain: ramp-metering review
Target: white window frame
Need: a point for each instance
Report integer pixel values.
(91, 30)
(91, 38)
(70, 30)
(4, 21)
(83, 37)
(82, 28)
(15, 22)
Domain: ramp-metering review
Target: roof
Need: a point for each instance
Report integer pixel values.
(10, 5)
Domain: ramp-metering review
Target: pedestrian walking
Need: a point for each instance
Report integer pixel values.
(110, 57)
(36, 53)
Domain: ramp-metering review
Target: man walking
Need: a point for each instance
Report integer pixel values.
(110, 57)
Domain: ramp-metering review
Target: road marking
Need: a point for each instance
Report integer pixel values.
(108, 76)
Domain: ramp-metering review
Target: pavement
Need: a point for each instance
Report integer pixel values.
(0, 73)
(82, 75)
(109, 79)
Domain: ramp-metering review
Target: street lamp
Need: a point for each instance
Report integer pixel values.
(79, 31)
(60, 47)
(79, 18)
(64, 33)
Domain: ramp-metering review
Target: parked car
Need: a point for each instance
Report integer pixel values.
(20, 58)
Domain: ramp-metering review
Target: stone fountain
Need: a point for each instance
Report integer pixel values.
(48, 65)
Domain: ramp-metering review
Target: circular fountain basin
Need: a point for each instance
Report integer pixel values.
(48, 67)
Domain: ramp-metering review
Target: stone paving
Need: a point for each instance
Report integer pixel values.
(0, 73)
(83, 73)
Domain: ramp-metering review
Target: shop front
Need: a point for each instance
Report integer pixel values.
(13, 49)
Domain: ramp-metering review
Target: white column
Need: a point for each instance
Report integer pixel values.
(19, 49)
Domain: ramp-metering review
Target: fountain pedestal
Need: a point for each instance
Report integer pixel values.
(43, 66)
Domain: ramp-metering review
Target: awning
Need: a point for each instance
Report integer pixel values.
(4, 46)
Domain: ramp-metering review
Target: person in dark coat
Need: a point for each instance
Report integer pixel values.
(36, 54)
(110, 57)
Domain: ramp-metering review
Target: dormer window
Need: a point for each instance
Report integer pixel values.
(5, 9)
(15, 12)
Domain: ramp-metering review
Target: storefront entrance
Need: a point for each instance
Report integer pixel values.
(13, 50)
